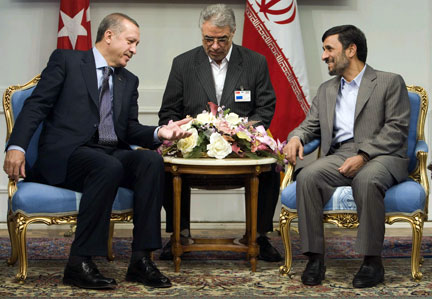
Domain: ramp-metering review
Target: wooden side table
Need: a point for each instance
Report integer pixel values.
(247, 168)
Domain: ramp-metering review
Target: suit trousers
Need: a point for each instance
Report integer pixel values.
(268, 196)
(315, 186)
(97, 171)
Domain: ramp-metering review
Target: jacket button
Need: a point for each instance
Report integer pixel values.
(95, 125)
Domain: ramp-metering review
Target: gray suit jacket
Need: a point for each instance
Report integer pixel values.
(191, 86)
(381, 119)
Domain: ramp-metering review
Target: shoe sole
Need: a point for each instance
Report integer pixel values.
(145, 282)
(368, 286)
(314, 284)
(71, 282)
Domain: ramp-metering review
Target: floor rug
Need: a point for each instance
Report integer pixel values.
(221, 278)
(216, 274)
(340, 247)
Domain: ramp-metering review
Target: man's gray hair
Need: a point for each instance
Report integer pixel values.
(220, 15)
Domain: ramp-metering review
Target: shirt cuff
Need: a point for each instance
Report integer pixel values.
(156, 139)
(15, 147)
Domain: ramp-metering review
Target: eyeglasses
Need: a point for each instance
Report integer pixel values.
(209, 40)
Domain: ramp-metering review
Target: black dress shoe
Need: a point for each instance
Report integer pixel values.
(166, 254)
(369, 275)
(86, 275)
(267, 252)
(314, 273)
(146, 272)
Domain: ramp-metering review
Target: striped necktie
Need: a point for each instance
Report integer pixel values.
(106, 132)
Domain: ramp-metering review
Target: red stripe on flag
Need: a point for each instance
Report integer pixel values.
(291, 104)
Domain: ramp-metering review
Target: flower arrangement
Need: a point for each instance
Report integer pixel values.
(220, 134)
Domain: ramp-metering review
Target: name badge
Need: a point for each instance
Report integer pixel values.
(242, 96)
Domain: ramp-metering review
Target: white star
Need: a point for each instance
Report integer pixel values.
(72, 27)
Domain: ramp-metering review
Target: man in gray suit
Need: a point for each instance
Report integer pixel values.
(362, 118)
(212, 73)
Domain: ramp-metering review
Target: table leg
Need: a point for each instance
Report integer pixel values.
(253, 247)
(248, 211)
(177, 248)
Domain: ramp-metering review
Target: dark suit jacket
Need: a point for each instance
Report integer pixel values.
(66, 99)
(381, 119)
(191, 86)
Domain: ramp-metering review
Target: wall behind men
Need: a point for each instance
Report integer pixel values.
(398, 32)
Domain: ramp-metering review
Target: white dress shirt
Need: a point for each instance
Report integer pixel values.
(219, 74)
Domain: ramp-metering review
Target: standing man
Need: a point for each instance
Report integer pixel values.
(362, 118)
(87, 102)
(212, 73)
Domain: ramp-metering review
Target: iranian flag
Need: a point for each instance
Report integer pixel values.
(272, 28)
(74, 31)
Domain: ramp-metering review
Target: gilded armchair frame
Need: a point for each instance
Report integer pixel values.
(17, 223)
(350, 220)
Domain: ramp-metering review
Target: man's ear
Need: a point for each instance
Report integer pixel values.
(108, 36)
(351, 51)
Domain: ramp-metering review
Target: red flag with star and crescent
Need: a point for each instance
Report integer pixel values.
(74, 31)
(272, 28)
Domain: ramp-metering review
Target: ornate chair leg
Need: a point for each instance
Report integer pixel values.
(21, 231)
(13, 239)
(110, 255)
(285, 225)
(417, 233)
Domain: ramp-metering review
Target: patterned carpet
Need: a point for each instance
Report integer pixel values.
(207, 275)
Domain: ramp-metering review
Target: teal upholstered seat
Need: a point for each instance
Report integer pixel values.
(406, 201)
(33, 202)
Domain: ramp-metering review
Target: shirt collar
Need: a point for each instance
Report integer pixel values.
(226, 57)
(99, 59)
(357, 80)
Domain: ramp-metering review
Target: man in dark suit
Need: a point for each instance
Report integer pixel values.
(362, 118)
(84, 146)
(212, 73)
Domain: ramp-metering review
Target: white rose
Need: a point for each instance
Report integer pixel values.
(233, 119)
(205, 118)
(218, 148)
(187, 126)
(186, 145)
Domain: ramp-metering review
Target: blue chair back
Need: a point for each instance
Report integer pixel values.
(17, 101)
(415, 103)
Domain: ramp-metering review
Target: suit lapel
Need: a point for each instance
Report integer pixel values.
(88, 68)
(331, 96)
(119, 82)
(233, 74)
(204, 74)
(367, 86)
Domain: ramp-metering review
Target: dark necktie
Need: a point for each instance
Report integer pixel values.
(107, 134)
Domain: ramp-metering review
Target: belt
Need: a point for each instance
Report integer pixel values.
(339, 144)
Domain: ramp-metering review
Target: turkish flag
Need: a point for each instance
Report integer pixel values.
(74, 31)
(272, 28)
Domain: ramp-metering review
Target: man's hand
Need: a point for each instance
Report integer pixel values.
(172, 131)
(351, 166)
(293, 148)
(14, 164)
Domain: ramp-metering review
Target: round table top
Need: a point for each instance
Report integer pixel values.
(219, 162)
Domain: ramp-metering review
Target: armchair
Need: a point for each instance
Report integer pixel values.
(406, 201)
(33, 202)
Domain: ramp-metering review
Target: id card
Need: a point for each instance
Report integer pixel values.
(242, 96)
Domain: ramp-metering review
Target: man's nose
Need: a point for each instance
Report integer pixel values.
(133, 49)
(215, 45)
(324, 56)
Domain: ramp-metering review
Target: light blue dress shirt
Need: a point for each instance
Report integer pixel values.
(343, 126)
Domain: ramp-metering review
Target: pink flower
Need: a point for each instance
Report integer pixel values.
(213, 108)
(224, 127)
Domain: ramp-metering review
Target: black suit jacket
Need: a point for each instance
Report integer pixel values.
(66, 99)
(191, 86)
